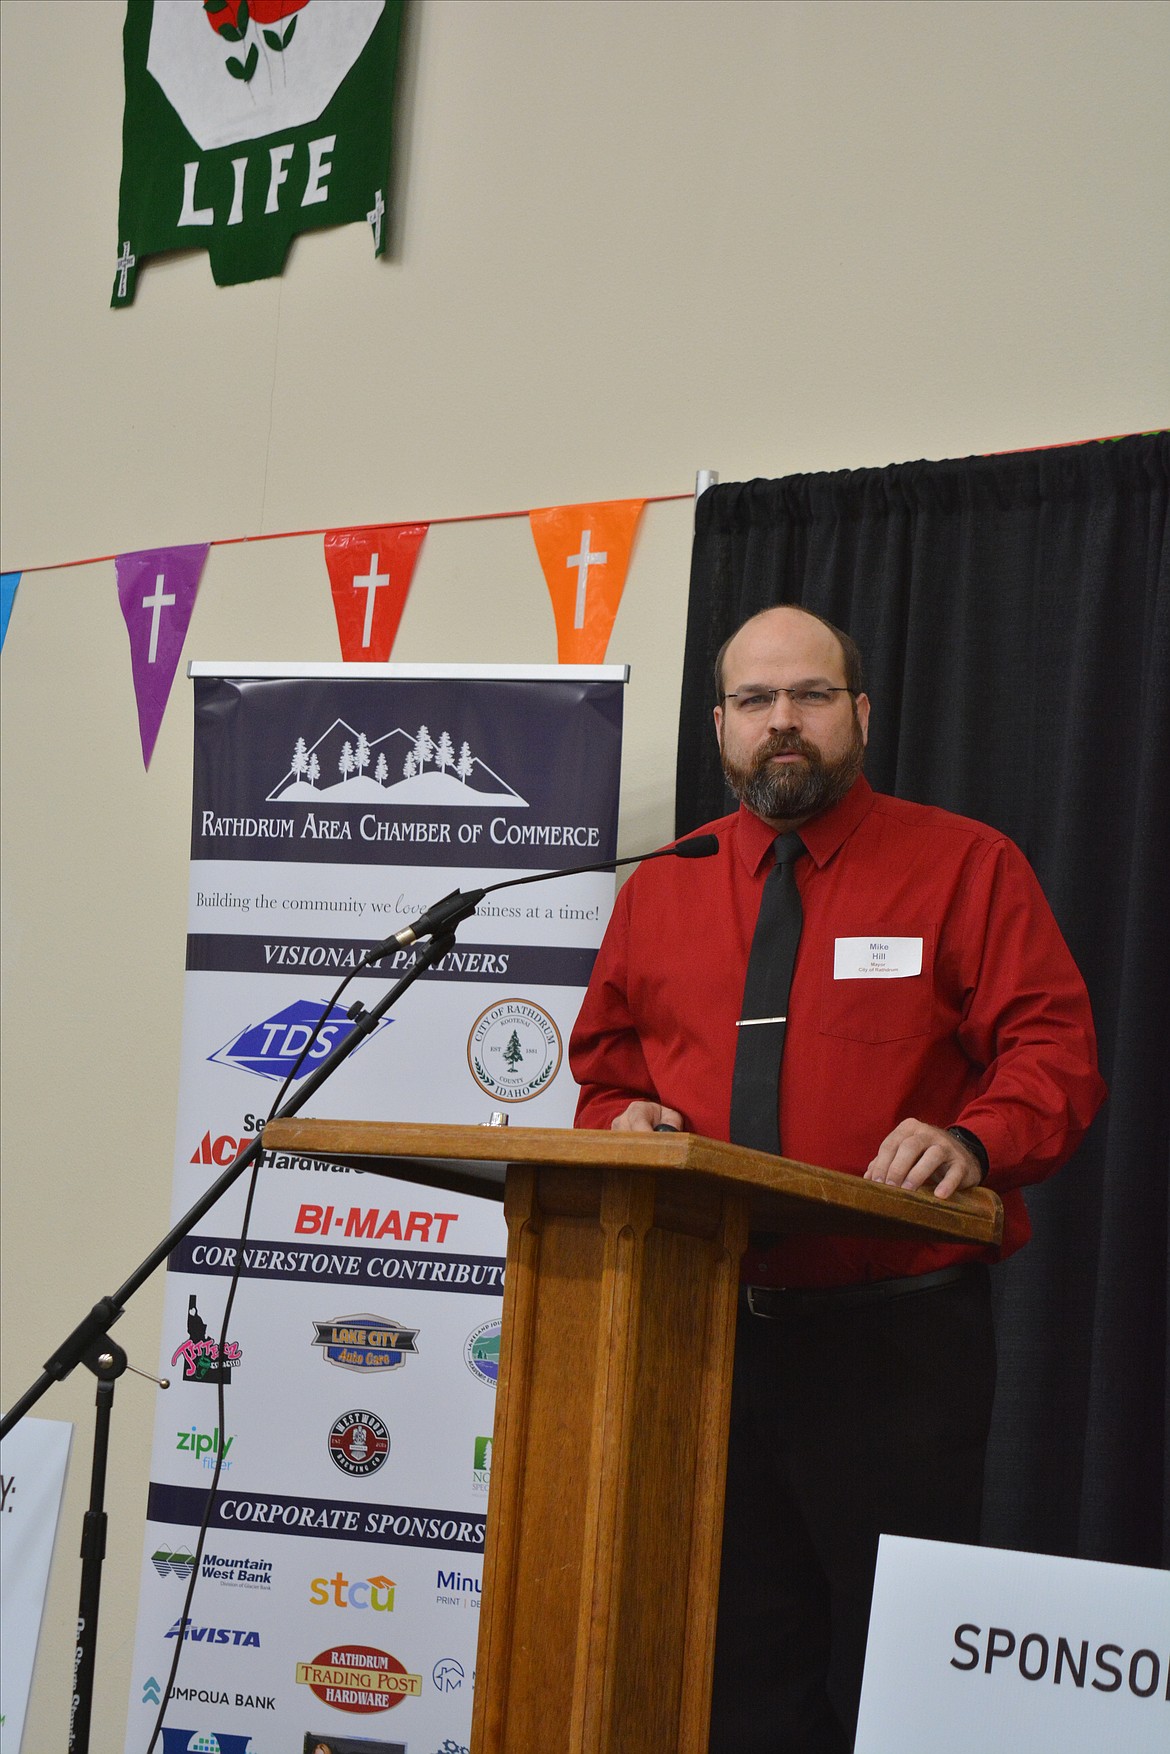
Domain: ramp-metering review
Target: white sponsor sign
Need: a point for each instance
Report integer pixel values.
(972, 1648)
(33, 1459)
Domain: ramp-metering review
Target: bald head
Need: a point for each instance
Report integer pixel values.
(773, 629)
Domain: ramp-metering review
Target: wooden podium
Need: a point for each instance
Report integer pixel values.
(605, 1511)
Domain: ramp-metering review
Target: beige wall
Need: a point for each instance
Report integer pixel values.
(634, 239)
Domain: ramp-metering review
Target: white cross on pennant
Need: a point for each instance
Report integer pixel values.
(156, 603)
(371, 583)
(583, 561)
(375, 218)
(124, 264)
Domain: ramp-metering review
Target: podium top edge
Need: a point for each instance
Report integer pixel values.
(265, 670)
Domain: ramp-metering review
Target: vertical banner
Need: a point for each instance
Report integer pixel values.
(246, 123)
(337, 1602)
(369, 577)
(585, 553)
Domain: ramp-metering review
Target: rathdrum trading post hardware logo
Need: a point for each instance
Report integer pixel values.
(358, 1677)
(514, 1050)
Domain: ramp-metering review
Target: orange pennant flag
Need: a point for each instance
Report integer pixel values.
(369, 575)
(585, 553)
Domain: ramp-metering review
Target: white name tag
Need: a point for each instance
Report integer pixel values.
(867, 959)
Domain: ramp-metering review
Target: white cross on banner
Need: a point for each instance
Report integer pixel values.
(156, 591)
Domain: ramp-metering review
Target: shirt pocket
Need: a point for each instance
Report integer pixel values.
(878, 1008)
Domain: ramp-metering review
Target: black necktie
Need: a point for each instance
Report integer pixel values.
(755, 1090)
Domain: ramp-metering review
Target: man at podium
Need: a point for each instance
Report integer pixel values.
(877, 987)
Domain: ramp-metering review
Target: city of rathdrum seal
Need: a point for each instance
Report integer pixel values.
(359, 1443)
(514, 1050)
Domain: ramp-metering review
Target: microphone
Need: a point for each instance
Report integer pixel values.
(445, 915)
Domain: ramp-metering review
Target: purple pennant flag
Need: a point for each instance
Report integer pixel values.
(156, 589)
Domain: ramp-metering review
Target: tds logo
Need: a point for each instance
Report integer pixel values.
(272, 1048)
(369, 1592)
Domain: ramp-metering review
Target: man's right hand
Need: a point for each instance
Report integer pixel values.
(643, 1117)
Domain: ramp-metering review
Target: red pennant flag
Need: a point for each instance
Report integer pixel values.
(585, 551)
(369, 574)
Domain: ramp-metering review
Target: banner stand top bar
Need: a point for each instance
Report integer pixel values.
(268, 670)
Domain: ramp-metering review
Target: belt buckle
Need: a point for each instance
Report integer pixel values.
(764, 1314)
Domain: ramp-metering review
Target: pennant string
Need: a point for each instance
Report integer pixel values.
(287, 535)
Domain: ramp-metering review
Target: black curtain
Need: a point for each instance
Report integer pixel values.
(1014, 615)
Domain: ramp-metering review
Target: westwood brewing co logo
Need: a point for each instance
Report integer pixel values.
(514, 1050)
(365, 1342)
(358, 1443)
(358, 1677)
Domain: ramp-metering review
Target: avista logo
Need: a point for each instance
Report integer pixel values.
(215, 1634)
(221, 1150)
(368, 1592)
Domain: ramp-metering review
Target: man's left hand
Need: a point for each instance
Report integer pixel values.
(916, 1154)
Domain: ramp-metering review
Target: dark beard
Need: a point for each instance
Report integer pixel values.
(790, 793)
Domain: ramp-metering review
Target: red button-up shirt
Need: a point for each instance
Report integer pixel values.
(994, 1033)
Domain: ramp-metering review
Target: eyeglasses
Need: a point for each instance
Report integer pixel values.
(756, 701)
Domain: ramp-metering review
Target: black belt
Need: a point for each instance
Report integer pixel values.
(774, 1302)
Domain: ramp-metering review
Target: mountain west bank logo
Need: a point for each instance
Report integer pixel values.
(358, 1443)
(514, 1050)
(365, 1342)
(235, 1570)
(358, 1677)
(272, 1048)
(345, 766)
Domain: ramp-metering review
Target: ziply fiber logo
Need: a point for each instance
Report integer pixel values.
(346, 766)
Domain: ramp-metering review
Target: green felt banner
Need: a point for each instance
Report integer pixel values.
(248, 121)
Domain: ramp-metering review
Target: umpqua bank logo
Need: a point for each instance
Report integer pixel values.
(347, 766)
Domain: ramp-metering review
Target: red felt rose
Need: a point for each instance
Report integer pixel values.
(272, 11)
(227, 12)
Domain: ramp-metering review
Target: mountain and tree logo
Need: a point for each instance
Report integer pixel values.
(346, 766)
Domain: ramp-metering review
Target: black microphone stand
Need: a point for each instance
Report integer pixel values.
(90, 1343)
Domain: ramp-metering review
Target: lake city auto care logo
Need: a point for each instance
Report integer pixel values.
(358, 1443)
(514, 1050)
(358, 1677)
(481, 1352)
(272, 1047)
(365, 1342)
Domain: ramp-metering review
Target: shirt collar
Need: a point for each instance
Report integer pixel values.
(822, 834)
